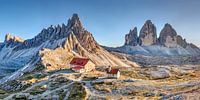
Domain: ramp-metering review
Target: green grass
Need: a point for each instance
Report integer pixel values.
(2, 96)
(15, 86)
(2, 92)
(58, 82)
(39, 67)
(78, 92)
(89, 78)
(62, 94)
(20, 98)
(38, 76)
(37, 90)
(31, 76)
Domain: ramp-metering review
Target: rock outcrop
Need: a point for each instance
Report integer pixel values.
(132, 37)
(12, 40)
(182, 42)
(168, 36)
(160, 73)
(168, 43)
(148, 35)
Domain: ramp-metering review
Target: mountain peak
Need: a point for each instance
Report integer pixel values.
(75, 21)
(148, 35)
(168, 25)
(169, 29)
(148, 22)
(75, 16)
(168, 36)
(131, 37)
(9, 38)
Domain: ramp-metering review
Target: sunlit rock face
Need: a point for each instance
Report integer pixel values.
(131, 38)
(168, 36)
(54, 47)
(148, 34)
(12, 40)
(9, 37)
(168, 43)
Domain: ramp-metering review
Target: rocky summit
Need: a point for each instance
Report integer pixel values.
(168, 48)
(148, 35)
(131, 38)
(12, 40)
(54, 47)
(168, 37)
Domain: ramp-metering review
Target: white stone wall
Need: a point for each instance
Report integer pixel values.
(89, 66)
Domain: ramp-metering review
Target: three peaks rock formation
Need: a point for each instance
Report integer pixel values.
(148, 36)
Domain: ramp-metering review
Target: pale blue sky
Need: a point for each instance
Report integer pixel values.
(107, 20)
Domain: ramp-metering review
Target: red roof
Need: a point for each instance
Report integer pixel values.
(113, 71)
(79, 61)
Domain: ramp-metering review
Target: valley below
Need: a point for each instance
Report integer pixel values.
(135, 83)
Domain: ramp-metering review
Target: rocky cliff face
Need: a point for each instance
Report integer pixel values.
(148, 35)
(9, 37)
(182, 42)
(12, 40)
(168, 43)
(55, 47)
(132, 37)
(79, 43)
(168, 36)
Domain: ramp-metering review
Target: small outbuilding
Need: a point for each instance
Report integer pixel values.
(82, 65)
(113, 72)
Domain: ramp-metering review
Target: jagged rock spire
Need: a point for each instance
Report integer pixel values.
(132, 37)
(75, 21)
(10, 38)
(168, 36)
(148, 35)
(168, 30)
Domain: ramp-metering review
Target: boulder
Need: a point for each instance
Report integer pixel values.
(160, 73)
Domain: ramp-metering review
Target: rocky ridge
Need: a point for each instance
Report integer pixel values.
(54, 47)
(131, 38)
(12, 40)
(168, 37)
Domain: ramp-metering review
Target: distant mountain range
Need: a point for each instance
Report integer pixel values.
(169, 42)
